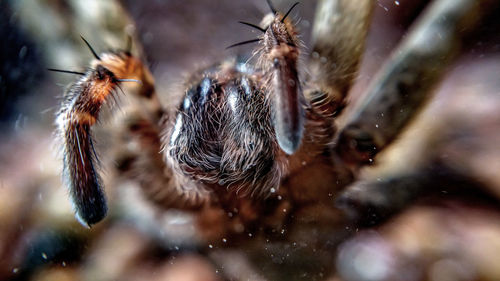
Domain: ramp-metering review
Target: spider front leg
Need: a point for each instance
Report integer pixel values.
(370, 203)
(80, 112)
(406, 81)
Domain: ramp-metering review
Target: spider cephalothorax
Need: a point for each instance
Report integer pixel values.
(222, 135)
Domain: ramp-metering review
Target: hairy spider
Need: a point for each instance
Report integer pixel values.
(245, 135)
(254, 146)
(235, 139)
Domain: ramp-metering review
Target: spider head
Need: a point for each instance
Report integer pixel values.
(222, 135)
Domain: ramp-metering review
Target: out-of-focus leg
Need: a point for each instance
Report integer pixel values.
(373, 202)
(407, 79)
(339, 34)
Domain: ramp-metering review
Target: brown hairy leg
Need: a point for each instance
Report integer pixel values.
(79, 112)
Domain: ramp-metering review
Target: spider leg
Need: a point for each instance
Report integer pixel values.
(339, 33)
(406, 81)
(79, 113)
(373, 202)
(453, 160)
(141, 159)
(143, 163)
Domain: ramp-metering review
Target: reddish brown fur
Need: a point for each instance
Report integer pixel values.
(79, 112)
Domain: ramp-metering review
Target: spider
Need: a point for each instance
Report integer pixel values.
(254, 148)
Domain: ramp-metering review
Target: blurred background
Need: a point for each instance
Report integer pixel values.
(441, 237)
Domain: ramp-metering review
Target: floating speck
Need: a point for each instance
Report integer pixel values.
(148, 37)
(383, 7)
(44, 256)
(22, 52)
(20, 122)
